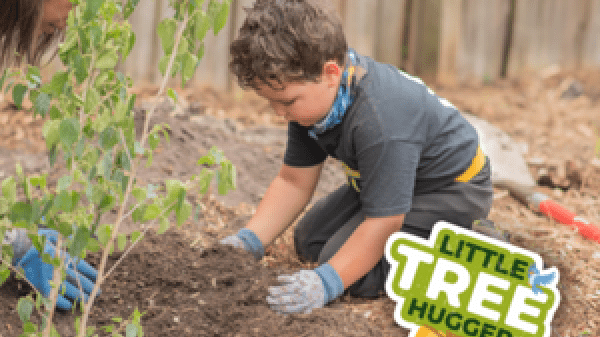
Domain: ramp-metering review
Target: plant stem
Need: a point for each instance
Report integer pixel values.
(56, 278)
(107, 249)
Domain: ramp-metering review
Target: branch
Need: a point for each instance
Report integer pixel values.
(56, 278)
(103, 261)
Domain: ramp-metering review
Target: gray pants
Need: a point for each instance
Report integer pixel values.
(331, 221)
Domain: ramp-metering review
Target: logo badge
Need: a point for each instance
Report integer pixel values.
(462, 283)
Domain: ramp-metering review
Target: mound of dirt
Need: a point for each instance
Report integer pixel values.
(188, 291)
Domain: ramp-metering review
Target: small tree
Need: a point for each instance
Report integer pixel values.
(89, 127)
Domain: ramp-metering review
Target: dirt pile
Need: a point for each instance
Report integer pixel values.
(189, 291)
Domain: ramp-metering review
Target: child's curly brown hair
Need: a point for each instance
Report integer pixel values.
(286, 41)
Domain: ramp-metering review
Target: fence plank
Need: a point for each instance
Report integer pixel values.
(139, 63)
(456, 40)
(390, 24)
(424, 40)
(451, 42)
(591, 46)
(360, 25)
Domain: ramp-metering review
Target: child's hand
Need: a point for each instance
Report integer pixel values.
(305, 290)
(245, 239)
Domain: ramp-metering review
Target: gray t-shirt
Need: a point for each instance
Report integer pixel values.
(398, 138)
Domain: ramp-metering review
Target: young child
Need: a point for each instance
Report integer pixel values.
(411, 158)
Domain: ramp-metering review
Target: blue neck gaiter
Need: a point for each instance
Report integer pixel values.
(343, 100)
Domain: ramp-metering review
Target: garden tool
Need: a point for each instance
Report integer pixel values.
(510, 172)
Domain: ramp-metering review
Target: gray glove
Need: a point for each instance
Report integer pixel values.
(246, 239)
(305, 290)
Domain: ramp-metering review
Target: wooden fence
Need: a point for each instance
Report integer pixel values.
(451, 41)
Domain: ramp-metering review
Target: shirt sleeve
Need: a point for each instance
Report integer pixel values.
(388, 172)
(302, 150)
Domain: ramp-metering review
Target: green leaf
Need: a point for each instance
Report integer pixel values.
(201, 25)
(3, 78)
(18, 94)
(69, 131)
(135, 236)
(153, 140)
(64, 182)
(226, 177)
(139, 194)
(183, 213)
(208, 160)
(164, 225)
(108, 138)
(104, 234)
(92, 98)
(152, 212)
(9, 189)
(107, 202)
(29, 328)
(42, 103)
(51, 132)
(55, 113)
(4, 273)
(173, 95)
(91, 9)
(204, 180)
(221, 17)
(121, 241)
(80, 241)
(57, 84)
(63, 202)
(129, 7)
(81, 68)
(189, 62)
(166, 32)
(33, 76)
(200, 53)
(108, 60)
(162, 64)
(20, 213)
(25, 308)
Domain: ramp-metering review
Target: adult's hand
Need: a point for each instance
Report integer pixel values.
(80, 279)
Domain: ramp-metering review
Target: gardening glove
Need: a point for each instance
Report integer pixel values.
(39, 274)
(246, 239)
(305, 290)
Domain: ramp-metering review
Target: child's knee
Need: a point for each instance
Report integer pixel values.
(306, 248)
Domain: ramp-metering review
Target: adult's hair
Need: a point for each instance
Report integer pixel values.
(286, 41)
(21, 38)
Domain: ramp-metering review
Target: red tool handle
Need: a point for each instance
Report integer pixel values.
(564, 216)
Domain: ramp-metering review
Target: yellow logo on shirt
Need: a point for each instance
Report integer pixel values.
(353, 175)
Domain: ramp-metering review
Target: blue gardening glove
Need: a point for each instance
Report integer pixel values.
(246, 239)
(306, 290)
(40, 274)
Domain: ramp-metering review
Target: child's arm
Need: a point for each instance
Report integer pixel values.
(284, 200)
(364, 248)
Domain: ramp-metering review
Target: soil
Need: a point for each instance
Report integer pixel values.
(190, 286)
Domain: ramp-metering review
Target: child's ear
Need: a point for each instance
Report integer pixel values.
(332, 72)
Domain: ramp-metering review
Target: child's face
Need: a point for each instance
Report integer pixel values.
(305, 102)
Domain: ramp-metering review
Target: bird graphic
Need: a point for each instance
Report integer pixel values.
(537, 279)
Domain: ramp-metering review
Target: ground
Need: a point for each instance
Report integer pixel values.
(189, 286)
